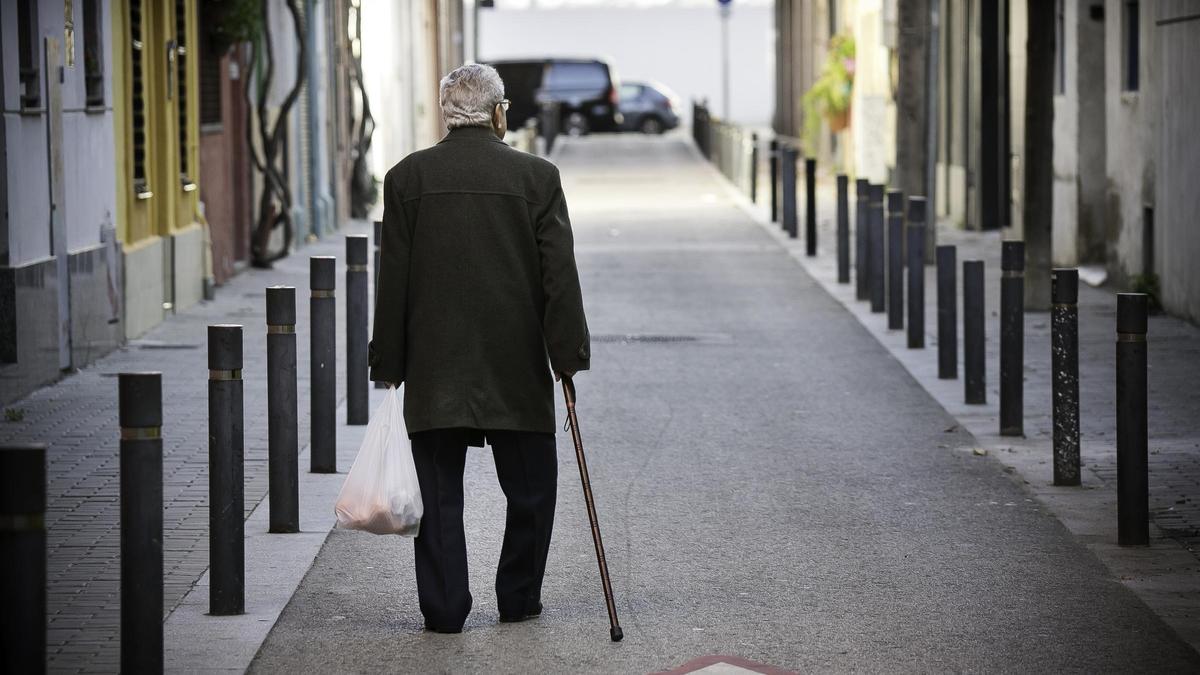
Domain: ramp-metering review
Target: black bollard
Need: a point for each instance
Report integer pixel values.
(282, 438)
(1064, 364)
(378, 242)
(974, 359)
(23, 558)
(947, 313)
(862, 189)
(226, 473)
(895, 259)
(1133, 493)
(356, 330)
(773, 175)
(773, 168)
(843, 229)
(753, 168)
(788, 177)
(916, 272)
(876, 252)
(810, 207)
(1012, 338)
(139, 403)
(322, 281)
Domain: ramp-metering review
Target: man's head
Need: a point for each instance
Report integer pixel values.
(472, 96)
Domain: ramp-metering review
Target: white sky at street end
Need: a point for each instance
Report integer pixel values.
(617, 4)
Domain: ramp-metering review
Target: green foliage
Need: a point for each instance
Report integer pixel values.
(1148, 284)
(232, 21)
(14, 414)
(829, 96)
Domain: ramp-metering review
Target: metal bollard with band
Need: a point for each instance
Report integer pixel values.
(773, 171)
(788, 177)
(1133, 492)
(357, 387)
(23, 557)
(895, 259)
(843, 229)
(139, 403)
(1064, 364)
(810, 207)
(322, 282)
(915, 231)
(282, 436)
(226, 472)
(974, 354)
(947, 312)
(876, 252)
(1012, 338)
(378, 241)
(753, 168)
(862, 188)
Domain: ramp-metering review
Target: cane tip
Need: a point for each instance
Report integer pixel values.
(616, 633)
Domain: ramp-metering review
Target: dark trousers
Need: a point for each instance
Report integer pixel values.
(527, 466)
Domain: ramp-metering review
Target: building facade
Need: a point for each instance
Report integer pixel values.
(128, 141)
(1126, 123)
(61, 298)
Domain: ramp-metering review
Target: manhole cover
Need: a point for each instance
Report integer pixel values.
(659, 338)
(725, 665)
(155, 344)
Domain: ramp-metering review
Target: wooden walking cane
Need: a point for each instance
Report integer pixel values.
(569, 394)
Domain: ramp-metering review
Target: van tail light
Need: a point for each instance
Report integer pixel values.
(612, 95)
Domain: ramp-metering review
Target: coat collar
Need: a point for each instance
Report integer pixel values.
(471, 134)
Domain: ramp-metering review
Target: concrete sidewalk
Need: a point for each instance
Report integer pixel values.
(77, 418)
(1167, 574)
(772, 485)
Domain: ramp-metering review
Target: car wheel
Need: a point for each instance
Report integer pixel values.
(651, 125)
(576, 125)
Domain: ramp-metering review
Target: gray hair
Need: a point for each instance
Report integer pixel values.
(469, 94)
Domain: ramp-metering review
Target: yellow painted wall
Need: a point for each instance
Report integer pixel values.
(167, 205)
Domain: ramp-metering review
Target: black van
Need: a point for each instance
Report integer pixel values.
(586, 89)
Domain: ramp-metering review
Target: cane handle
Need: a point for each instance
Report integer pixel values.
(568, 391)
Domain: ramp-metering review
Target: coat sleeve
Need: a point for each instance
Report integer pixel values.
(563, 323)
(387, 347)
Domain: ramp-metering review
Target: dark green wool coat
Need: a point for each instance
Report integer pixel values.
(478, 293)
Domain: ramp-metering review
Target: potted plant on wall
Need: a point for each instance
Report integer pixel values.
(828, 98)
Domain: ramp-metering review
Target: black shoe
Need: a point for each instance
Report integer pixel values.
(434, 629)
(515, 618)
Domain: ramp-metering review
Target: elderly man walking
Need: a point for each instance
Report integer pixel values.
(479, 310)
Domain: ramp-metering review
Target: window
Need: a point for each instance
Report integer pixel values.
(93, 53)
(577, 75)
(29, 56)
(137, 107)
(1060, 48)
(210, 72)
(1129, 68)
(181, 103)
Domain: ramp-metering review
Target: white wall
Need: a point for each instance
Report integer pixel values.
(678, 45)
(1177, 235)
(89, 182)
(398, 63)
(1132, 119)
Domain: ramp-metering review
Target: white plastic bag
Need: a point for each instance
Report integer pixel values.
(381, 494)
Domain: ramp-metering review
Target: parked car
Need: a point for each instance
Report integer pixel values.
(648, 108)
(586, 90)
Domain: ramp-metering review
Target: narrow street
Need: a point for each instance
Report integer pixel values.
(772, 484)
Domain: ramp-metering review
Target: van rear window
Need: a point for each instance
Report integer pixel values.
(577, 76)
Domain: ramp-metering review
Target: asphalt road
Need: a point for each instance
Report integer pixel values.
(771, 485)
